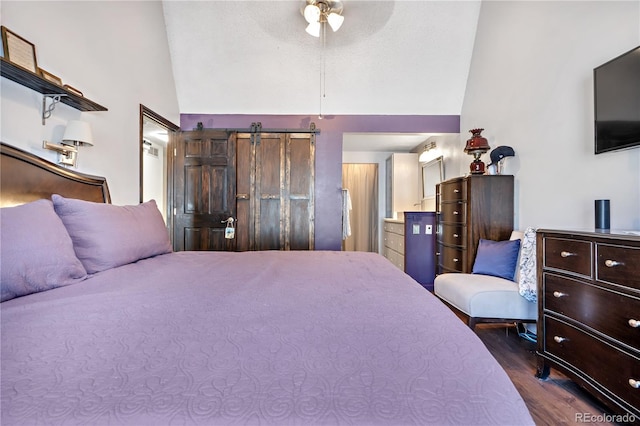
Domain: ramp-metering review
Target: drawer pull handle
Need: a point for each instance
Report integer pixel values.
(559, 294)
(456, 212)
(455, 235)
(456, 260)
(634, 323)
(567, 254)
(611, 263)
(634, 383)
(456, 190)
(559, 339)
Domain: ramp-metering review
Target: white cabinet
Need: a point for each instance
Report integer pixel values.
(403, 192)
(394, 242)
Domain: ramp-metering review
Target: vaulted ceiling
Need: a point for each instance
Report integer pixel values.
(253, 57)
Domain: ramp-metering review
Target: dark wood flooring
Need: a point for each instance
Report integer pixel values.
(555, 401)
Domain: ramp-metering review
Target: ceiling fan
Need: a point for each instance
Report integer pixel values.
(320, 12)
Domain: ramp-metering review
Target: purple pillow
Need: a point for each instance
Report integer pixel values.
(36, 252)
(105, 236)
(497, 258)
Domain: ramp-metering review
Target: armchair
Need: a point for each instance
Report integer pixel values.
(491, 299)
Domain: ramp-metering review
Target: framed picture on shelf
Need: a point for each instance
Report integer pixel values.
(18, 50)
(72, 90)
(50, 77)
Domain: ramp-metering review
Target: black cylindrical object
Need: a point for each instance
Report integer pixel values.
(602, 214)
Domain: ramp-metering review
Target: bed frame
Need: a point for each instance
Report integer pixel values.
(25, 177)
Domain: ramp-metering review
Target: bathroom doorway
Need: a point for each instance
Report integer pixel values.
(361, 181)
(155, 140)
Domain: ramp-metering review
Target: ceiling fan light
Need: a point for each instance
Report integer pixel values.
(335, 21)
(311, 13)
(313, 29)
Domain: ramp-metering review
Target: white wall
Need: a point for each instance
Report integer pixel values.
(116, 53)
(530, 86)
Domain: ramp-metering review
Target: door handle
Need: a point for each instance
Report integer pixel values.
(229, 221)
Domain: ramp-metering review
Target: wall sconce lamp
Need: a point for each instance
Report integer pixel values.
(76, 134)
(429, 152)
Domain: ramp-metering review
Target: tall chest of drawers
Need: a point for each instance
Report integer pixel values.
(467, 209)
(589, 313)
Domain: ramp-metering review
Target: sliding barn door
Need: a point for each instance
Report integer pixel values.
(299, 196)
(204, 176)
(275, 196)
(245, 188)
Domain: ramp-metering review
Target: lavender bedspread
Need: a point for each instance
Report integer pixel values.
(262, 338)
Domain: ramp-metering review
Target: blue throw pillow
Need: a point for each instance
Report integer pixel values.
(497, 258)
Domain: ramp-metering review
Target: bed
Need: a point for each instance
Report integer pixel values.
(218, 338)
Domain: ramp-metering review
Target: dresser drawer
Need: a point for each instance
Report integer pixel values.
(453, 235)
(453, 191)
(592, 358)
(453, 212)
(573, 256)
(618, 265)
(394, 242)
(452, 259)
(395, 227)
(394, 257)
(609, 312)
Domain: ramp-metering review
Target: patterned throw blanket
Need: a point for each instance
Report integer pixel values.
(528, 281)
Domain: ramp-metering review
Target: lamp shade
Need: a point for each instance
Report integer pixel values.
(477, 143)
(335, 21)
(311, 13)
(78, 132)
(313, 29)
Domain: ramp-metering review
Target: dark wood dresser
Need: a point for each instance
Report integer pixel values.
(589, 313)
(467, 209)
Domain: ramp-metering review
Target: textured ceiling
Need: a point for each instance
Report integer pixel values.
(254, 57)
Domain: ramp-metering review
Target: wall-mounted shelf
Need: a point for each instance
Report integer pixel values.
(47, 88)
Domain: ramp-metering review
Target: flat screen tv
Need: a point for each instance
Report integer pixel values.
(617, 103)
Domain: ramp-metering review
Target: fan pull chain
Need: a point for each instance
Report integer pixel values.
(323, 70)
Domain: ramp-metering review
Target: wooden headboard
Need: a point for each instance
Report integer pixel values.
(25, 177)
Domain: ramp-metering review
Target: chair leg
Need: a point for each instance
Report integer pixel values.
(472, 323)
